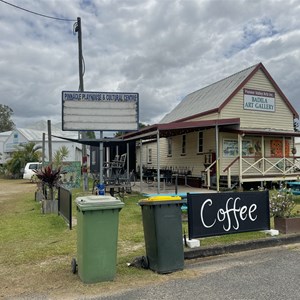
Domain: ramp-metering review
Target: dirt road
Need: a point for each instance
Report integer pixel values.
(10, 188)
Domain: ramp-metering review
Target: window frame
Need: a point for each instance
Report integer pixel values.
(169, 146)
(149, 155)
(200, 144)
(183, 144)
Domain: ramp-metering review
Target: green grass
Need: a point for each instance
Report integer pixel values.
(30, 239)
(27, 235)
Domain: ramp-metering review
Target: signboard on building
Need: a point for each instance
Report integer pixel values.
(259, 100)
(83, 111)
(223, 213)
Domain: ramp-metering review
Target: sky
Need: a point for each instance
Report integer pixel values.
(161, 49)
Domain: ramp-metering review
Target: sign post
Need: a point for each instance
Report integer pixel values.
(100, 111)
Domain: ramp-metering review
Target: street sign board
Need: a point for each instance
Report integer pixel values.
(223, 213)
(107, 111)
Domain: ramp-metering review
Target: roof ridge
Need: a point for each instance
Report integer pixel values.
(225, 78)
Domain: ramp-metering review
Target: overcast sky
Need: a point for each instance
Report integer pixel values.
(161, 49)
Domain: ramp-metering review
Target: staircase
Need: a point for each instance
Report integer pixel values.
(223, 183)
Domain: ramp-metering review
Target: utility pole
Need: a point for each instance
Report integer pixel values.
(78, 29)
(81, 89)
(49, 141)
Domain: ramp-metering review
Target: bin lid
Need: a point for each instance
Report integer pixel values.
(156, 200)
(98, 202)
(164, 198)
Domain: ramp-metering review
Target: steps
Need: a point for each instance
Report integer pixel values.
(223, 184)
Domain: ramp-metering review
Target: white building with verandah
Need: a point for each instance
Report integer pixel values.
(236, 131)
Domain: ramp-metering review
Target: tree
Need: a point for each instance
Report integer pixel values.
(90, 134)
(6, 124)
(15, 164)
(59, 155)
(25, 153)
(120, 133)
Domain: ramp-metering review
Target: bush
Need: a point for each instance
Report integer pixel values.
(281, 203)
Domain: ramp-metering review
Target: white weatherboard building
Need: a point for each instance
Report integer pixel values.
(236, 131)
(10, 140)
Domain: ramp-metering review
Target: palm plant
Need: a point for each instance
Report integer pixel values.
(60, 155)
(30, 151)
(24, 153)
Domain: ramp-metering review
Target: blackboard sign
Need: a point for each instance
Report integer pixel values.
(222, 213)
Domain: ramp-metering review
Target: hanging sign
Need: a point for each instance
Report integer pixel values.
(223, 213)
(259, 100)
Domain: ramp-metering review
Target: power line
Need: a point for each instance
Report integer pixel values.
(35, 13)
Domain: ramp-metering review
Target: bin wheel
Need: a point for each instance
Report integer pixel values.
(74, 266)
(145, 262)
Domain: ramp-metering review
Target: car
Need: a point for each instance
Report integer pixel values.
(29, 173)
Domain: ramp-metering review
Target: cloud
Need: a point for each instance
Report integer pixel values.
(161, 49)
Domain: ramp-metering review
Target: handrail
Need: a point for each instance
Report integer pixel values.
(231, 164)
(211, 165)
(263, 166)
(207, 170)
(273, 163)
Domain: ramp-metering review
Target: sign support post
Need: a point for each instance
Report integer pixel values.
(101, 181)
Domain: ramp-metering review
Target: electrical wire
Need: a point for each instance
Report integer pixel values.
(49, 17)
(35, 13)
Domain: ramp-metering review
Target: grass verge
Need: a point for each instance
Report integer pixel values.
(36, 249)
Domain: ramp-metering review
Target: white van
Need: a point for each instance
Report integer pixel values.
(28, 170)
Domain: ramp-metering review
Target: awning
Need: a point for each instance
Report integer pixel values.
(107, 142)
(264, 132)
(177, 128)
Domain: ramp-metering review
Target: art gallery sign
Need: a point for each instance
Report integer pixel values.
(259, 100)
(223, 213)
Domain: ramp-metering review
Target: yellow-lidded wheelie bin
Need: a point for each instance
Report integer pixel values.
(97, 236)
(162, 224)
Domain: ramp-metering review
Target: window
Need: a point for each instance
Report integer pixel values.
(277, 148)
(169, 146)
(149, 156)
(231, 149)
(200, 141)
(183, 144)
(15, 138)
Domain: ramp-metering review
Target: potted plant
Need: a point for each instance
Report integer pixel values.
(49, 181)
(281, 208)
(251, 149)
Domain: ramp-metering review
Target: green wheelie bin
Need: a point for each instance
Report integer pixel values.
(163, 233)
(97, 236)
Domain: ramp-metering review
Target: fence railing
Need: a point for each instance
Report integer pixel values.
(65, 205)
(270, 167)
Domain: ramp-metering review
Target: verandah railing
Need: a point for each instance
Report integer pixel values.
(251, 167)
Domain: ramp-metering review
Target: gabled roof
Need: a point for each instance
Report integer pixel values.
(37, 135)
(215, 96)
(4, 135)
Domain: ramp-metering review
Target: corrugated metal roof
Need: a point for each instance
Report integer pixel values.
(208, 98)
(4, 135)
(37, 135)
(175, 128)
